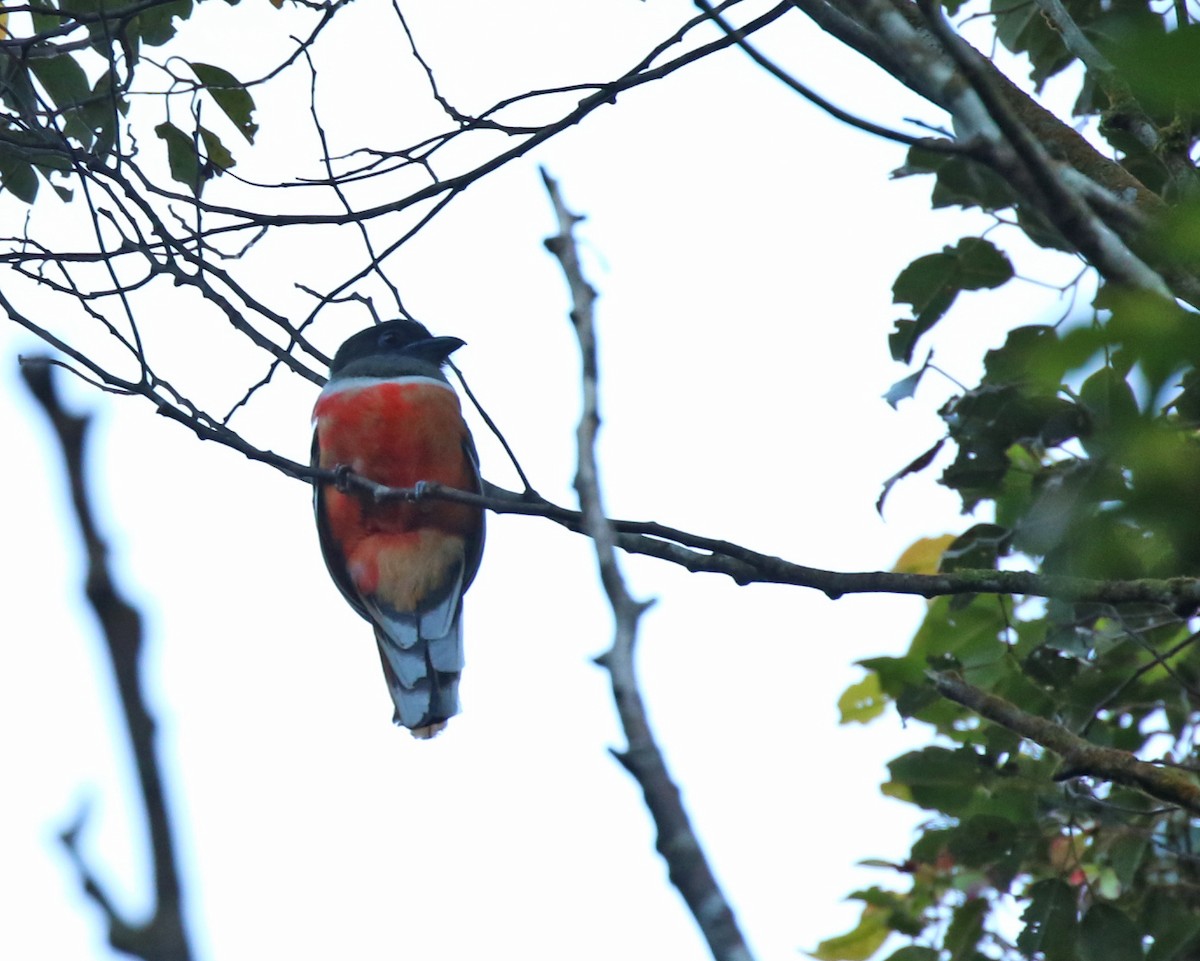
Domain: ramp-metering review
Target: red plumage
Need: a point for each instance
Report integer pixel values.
(389, 414)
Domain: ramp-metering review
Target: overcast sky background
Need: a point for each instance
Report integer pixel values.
(744, 246)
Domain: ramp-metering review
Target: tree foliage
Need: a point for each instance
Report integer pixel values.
(1079, 446)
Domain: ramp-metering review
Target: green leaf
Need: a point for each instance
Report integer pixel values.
(931, 284)
(182, 157)
(1161, 67)
(982, 839)
(102, 114)
(1176, 234)
(156, 25)
(966, 929)
(1050, 925)
(920, 701)
(914, 952)
(219, 158)
(44, 21)
(971, 635)
(980, 264)
(902, 340)
(904, 388)
(988, 421)
(938, 778)
(895, 672)
(1040, 230)
(913, 467)
(1113, 411)
(920, 160)
(1158, 335)
(231, 96)
(1031, 356)
(1174, 926)
(17, 175)
(1107, 934)
(862, 702)
(978, 547)
(1126, 854)
(1021, 27)
(16, 87)
(63, 79)
(965, 183)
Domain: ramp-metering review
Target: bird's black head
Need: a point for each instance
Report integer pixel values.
(395, 346)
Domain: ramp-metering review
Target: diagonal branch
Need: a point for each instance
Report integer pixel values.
(677, 841)
(935, 144)
(1021, 156)
(1081, 758)
(164, 936)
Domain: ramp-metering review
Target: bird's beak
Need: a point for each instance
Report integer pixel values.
(435, 349)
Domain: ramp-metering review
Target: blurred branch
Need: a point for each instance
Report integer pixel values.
(677, 842)
(1081, 758)
(163, 937)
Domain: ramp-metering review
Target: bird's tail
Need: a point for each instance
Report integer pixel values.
(422, 674)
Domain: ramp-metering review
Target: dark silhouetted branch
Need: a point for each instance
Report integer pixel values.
(710, 555)
(163, 937)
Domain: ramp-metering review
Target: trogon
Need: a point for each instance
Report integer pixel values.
(389, 414)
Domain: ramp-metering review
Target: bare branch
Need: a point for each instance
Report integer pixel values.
(163, 937)
(677, 841)
(698, 553)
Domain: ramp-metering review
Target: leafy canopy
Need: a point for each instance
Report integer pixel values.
(1078, 453)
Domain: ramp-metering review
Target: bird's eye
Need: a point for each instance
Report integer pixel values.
(388, 339)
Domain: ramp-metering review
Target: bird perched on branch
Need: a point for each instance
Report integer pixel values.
(389, 414)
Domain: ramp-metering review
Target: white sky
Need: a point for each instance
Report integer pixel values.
(744, 247)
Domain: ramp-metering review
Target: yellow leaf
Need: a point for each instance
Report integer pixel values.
(862, 702)
(923, 556)
(4, 34)
(901, 792)
(857, 945)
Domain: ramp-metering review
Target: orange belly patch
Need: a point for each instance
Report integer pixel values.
(405, 571)
(397, 433)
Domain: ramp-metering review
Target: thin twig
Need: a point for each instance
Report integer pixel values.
(677, 841)
(933, 144)
(491, 424)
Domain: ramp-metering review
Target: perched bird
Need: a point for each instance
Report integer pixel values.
(389, 414)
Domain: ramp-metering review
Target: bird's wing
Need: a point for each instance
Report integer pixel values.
(335, 562)
(473, 550)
